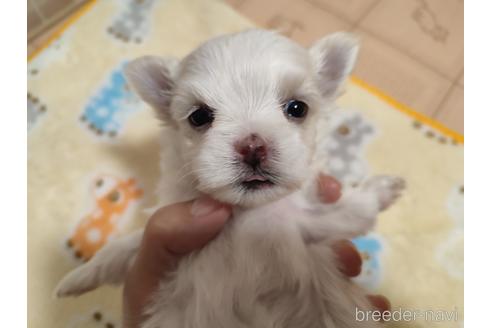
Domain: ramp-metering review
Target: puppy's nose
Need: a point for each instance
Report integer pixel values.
(253, 150)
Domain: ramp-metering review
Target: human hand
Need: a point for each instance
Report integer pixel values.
(171, 232)
(178, 229)
(350, 261)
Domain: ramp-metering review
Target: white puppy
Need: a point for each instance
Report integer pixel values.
(243, 112)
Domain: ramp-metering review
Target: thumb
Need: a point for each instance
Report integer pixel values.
(172, 231)
(183, 227)
(179, 229)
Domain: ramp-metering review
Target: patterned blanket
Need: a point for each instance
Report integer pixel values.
(93, 152)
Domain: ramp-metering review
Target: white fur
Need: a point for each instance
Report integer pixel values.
(272, 266)
(108, 266)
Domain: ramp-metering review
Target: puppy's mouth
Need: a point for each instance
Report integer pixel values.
(256, 182)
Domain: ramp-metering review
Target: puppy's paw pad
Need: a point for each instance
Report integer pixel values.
(388, 188)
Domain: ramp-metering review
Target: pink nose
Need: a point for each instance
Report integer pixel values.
(253, 150)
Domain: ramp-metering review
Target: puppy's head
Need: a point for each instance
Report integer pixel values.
(244, 107)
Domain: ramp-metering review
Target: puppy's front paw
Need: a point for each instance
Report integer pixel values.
(387, 188)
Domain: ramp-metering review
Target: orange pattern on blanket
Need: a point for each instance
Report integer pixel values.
(113, 197)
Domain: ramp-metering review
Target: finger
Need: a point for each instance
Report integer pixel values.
(349, 259)
(380, 303)
(179, 229)
(171, 232)
(329, 189)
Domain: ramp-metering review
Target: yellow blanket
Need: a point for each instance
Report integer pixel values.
(93, 152)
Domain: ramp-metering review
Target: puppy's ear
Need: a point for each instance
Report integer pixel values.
(152, 79)
(334, 57)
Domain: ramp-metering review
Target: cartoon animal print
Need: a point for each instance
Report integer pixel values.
(98, 317)
(107, 112)
(35, 109)
(450, 252)
(433, 134)
(132, 24)
(345, 144)
(370, 248)
(57, 51)
(93, 319)
(113, 198)
(427, 21)
(285, 25)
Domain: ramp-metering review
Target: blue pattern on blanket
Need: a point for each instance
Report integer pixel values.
(107, 112)
(370, 248)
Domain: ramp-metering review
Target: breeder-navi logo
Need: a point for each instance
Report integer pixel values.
(406, 315)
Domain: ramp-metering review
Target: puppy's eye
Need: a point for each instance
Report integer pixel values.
(201, 117)
(295, 109)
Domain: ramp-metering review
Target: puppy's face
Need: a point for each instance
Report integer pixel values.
(244, 107)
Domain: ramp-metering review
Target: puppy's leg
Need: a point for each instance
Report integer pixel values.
(387, 188)
(108, 266)
(355, 213)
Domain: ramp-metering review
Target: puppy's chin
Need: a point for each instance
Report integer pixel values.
(252, 196)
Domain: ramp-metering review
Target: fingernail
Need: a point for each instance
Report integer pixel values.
(350, 261)
(204, 205)
(380, 302)
(329, 189)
